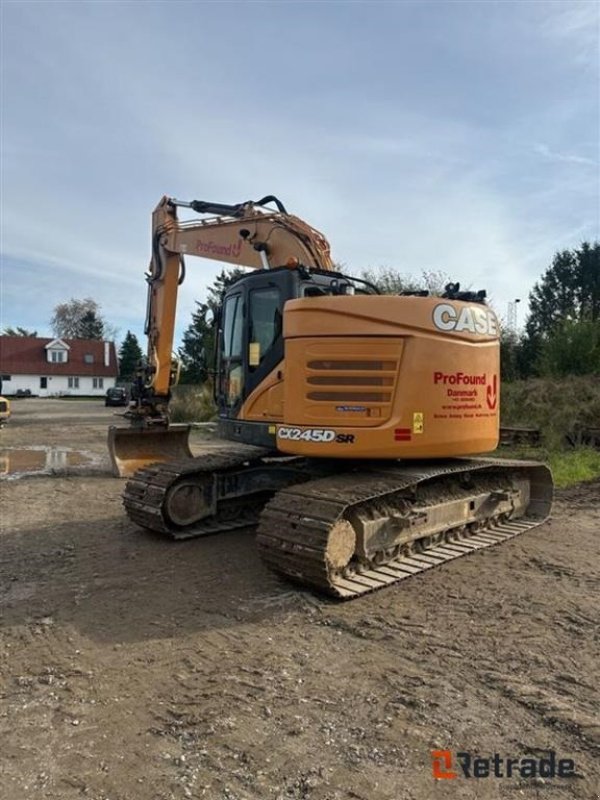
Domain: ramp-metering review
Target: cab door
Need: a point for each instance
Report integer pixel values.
(230, 361)
(250, 336)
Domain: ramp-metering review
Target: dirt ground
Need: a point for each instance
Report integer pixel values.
(135, 668)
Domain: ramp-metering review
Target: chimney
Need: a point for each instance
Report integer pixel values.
(106, 354)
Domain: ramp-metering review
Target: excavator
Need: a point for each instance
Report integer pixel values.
(351, 425)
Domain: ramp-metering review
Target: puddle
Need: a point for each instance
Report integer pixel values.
(19, 462)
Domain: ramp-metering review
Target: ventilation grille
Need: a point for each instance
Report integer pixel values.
(351, 381)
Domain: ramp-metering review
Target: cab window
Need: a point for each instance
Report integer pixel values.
(233, 327)
(231, 349)
(265, 323)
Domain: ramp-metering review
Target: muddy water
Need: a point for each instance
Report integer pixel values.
(17, 462)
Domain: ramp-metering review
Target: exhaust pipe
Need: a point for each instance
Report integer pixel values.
(132, 448)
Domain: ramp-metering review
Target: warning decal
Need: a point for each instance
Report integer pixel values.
(417, 422)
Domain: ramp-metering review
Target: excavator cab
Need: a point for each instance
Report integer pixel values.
(250, 341)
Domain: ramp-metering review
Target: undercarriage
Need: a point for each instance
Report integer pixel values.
(344, 529)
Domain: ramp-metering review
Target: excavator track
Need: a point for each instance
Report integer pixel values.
(308, 532)
(146, 495)
(346, 532)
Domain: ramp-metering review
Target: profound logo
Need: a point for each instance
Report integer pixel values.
(472, 319)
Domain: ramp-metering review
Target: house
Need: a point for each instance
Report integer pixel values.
(56, 367)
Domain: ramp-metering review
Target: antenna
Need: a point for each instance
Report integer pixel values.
(511, 316)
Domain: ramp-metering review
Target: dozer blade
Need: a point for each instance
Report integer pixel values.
(135, 447)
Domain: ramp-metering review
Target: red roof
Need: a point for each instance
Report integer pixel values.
(26, 355)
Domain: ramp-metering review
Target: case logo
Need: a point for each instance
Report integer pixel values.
(472, 319)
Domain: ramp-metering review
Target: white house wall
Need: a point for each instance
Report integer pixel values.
(58, 385)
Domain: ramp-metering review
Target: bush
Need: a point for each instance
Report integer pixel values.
(573, 348)
(192, 404)
(561, 409)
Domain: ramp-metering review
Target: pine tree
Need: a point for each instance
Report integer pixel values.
(90, 326)
(197, 351)
(130, 356)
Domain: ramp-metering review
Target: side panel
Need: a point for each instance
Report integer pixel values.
(420, 390)
(266, 401)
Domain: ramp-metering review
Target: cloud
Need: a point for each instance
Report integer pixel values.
(402, 153)
(574, 25)
(569, 158)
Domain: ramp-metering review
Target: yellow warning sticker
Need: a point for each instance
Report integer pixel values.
(254, 354)
(418, 422)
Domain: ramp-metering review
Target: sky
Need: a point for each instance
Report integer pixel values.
(454, 136)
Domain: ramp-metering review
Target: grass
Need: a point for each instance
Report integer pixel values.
(569, 466)
(561, 409)
(574, 466)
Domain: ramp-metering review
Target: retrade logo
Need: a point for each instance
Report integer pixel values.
(441, 764)
(446, 765)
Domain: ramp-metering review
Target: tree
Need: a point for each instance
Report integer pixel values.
(558, 340)
(568, 290)
(18, 331)
(390, 281)
(91, 326)
(198, 344)
(130, 356)
(509, 355)
(80, 319)
(572, 348)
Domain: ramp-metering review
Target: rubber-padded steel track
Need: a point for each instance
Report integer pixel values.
(295, 525)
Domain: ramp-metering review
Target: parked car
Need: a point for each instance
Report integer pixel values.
(116, 396)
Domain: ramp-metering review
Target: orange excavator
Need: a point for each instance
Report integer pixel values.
(350, 423)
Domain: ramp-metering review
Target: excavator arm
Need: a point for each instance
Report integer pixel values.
(245, 235)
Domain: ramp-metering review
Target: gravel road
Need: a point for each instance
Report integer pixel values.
(134, 668)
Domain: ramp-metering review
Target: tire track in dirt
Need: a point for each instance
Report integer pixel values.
(134, 667)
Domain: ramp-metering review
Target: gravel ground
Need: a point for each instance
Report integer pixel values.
(134, 668)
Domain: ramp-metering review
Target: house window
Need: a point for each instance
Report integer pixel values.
(43, 383)
(58, 356)
(88, 358)
(73, 383)
(5, 377)
(98, 383)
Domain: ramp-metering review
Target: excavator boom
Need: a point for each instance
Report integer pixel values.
(245, 235)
